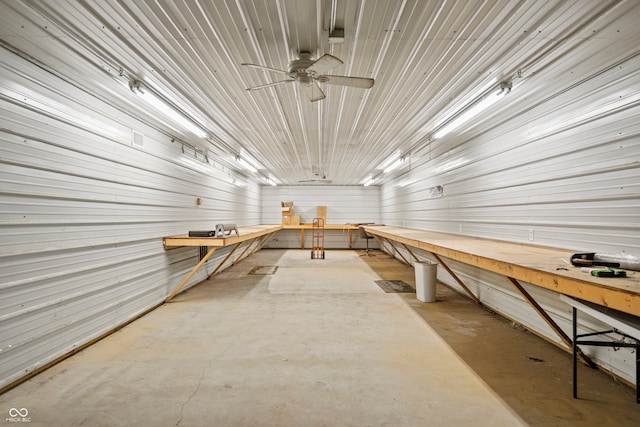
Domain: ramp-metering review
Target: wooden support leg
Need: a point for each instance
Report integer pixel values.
(574, 351)
(245, 251)
(263, 242)
(451, 273)
(383, 247)
(225, 259)
(456, 278)
(193, 271)
(412, 254)
(398, 252)
(552, 324)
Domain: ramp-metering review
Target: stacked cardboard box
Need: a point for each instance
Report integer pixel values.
(287, 212)
(288, 218)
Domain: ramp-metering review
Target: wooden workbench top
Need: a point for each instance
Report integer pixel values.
(245, 233)
(309, 226)
(545, 267)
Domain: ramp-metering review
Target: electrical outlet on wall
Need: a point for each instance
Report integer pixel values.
(531, 234)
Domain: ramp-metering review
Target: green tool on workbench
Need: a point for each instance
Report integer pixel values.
(605, 272)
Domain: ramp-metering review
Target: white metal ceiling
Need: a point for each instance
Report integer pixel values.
(426, 58)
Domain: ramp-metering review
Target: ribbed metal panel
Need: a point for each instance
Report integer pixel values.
(555, 163)
(83, 214)
(574, 183)
(425, 56)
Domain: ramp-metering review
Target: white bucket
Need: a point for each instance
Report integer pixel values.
(426, 278)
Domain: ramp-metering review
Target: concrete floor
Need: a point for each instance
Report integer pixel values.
(318, 343)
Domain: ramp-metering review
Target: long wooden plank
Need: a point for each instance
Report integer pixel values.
(303, 227)
(245, 233)
(344, 227)
(540, 266)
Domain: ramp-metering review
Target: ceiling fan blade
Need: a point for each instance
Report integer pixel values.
(313, 91)
(271, 84)
(324, 64)
(262, 67)
(360, 82)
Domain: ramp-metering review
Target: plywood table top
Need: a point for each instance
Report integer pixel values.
(545, 267)
(244, 233)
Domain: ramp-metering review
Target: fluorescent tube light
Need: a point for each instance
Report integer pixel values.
(391, 159)
(393, 166)
(473, 111)
(369, 181)
(246, 165)
(474, 95)
(164, 107)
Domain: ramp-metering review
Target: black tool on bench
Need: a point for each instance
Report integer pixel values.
(589, 259)
(222, 230)
(210, 233)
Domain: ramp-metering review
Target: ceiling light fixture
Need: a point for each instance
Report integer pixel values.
(167, 108)
(474, 108)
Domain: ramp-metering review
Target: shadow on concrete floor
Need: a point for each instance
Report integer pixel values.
(529, 374)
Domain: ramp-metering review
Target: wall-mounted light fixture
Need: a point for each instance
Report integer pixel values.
(369, 181)
(167, 108)
(246, 165)
(474, 108)
(393, 158)
(393, 166)
(270, 181)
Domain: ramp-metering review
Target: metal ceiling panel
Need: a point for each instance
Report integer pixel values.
(426, 58)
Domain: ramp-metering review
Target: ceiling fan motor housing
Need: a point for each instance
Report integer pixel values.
(298, 65)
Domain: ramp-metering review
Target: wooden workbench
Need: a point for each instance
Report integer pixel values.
(302, 227)
(255, 236)
(545, 267)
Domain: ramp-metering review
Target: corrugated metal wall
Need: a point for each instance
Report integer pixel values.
(345, 205)
(561, 169)
(83, 214)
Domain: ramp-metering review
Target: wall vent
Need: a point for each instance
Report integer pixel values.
(137, 139)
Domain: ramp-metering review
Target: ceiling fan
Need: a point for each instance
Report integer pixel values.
(309, 72)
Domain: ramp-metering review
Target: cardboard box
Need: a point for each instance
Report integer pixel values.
(287, 208)
(295, 220)
(286, 219)
(322, 213)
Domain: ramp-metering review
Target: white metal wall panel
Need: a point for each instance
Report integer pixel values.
(83, 213)
(563, 171)
(345, 205)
